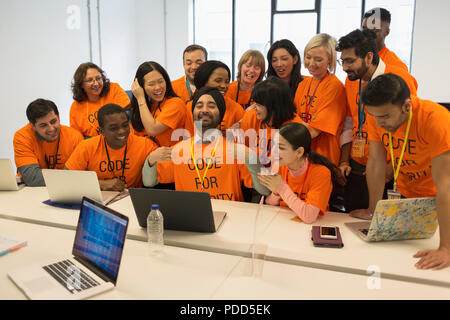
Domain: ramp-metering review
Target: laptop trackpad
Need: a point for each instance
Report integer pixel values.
(38, 285)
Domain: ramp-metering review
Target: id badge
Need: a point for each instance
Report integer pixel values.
(393, 194)
(358, 146)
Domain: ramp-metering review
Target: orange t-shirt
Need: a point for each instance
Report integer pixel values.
(172, 113)
(352, 91)
(249, 121)
(91, 155)
(389, 57)
(222, 180)
(29, 149)
(180, 87)
(233, 114)
(315, 190)
(326, 113)
(244, 97)
(429, 136)
(83, 115)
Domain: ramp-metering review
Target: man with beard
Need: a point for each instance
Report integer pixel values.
(43, 143)
(362, 64)
(203, 162)
(416, 134)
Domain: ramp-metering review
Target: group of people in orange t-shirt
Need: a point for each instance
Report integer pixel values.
(305, 142)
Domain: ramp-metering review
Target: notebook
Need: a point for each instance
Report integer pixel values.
(399, 219)
(181, 210)
(94, 267)
(70, 186)
(8, 182)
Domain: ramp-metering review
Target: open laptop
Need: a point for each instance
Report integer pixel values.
(399, 219)
(94, 267)
(70, 186)
(182, 210)
(8, 182)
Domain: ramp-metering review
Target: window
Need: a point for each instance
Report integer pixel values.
(227, 28)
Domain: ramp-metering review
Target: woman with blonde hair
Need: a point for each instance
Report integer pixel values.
(251, 68)
(320, 99)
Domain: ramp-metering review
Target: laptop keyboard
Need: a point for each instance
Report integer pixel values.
(70, 276)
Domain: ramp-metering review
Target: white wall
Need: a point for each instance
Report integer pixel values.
(38, 57)
(431, 48)
(40, 52)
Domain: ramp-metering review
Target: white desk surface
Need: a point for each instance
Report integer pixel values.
(288, 241)
(191, 274)
(284, 281)
(176, 274)
(235, 235)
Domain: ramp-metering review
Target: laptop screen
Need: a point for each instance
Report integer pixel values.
(100, 237)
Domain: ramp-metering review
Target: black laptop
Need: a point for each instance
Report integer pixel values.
(182, 210)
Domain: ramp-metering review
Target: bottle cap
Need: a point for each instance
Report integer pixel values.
(155, 206)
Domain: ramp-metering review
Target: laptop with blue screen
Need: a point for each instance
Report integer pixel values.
(94, 267)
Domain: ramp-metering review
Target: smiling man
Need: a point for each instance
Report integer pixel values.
(200, 163)
(193, 56)
(362, 64)
(416, 133)
(43, 143)
(116, 155)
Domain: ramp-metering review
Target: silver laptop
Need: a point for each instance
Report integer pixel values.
(8, 182)
(182, 210)
(94, 267)
(70, 186)
(399, 219)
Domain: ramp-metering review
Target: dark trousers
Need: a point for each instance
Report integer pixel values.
(356, 193)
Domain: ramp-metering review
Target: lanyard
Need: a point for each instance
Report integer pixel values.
(405, 142)
(123, 163)
(188, 87)
(158, 107)
(310, 98)
(206, 162)
(47, 161)
(237, 96)
(361, 111)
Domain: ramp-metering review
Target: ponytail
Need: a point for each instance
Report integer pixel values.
(317, 158)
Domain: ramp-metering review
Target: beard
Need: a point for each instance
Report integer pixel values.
(359, 73)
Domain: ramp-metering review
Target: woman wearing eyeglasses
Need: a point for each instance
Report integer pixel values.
(91, 90)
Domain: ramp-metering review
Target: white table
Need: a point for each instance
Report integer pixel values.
(285, 281)
(290, 242)
(191, 274)
(176, 274)
(287, 241)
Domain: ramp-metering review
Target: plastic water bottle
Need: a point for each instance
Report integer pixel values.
(155, 230)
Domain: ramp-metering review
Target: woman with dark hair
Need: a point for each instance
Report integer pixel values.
(251, 68)
(273, 107)
(91, 90)
(304, 181)
(156, 111)
(217, 75)
(285, 63)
